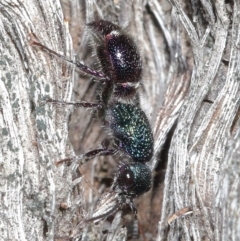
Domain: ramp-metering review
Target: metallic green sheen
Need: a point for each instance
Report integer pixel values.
(131, 127)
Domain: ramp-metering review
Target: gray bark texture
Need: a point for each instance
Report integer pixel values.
(190, 93)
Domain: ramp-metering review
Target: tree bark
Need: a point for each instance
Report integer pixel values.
(190, 92)
(33, 134)
(203, 147)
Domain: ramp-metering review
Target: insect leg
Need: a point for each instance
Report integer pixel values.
(77, 104)
(79, 65)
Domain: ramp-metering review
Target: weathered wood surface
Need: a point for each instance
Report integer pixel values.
(190, 88)
(33, 134)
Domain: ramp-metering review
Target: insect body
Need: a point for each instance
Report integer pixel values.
(122, 70)
(119, 57)
(133, 179)
(130, 181)
(131, 134)
(131, 127)
(130, 131)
